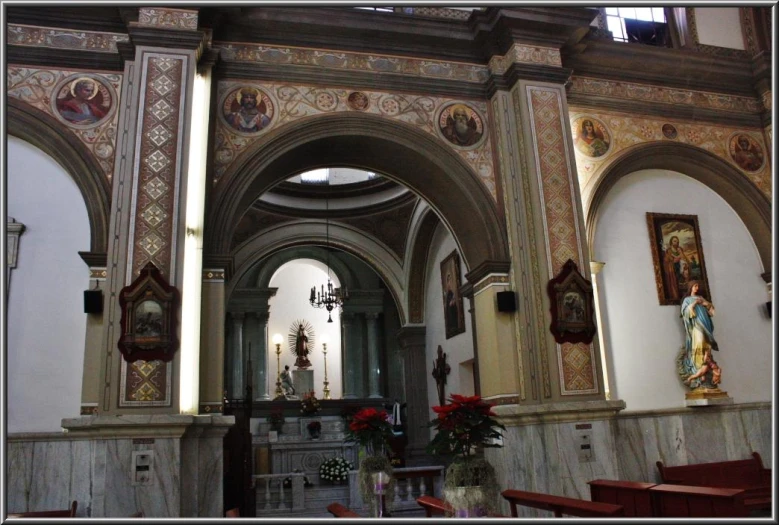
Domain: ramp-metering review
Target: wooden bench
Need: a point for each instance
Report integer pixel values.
(65, 513)
(437, 507)
(686, 501)
(746, 474)
(339, 511)
(561, 505)
(634, 496)
(645, 500)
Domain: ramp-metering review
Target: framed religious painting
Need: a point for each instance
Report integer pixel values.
(572, 306)
(149, 317)
(677, 256)
(454, 316)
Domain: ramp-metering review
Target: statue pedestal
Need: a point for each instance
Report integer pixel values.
(703, 397)
(303, 381)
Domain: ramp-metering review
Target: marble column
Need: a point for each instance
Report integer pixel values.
(374, 368)
(237, 364)
(260, 358)
(412, 347)
(213, 334)
(349, 372)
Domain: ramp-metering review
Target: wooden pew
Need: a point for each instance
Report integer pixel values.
(339, 511)
(634, 496)
(65, 513)
(746, 474)
(561, 505)
(438, 507)
(685, 501)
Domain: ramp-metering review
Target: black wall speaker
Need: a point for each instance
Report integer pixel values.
(768, 308)
(507, 301)
(93, 301)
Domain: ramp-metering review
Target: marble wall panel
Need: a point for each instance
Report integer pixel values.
(19, 478)
(210, 478)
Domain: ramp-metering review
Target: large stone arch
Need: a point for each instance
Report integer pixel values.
(401, 152)
(751, 205)
(47, 134)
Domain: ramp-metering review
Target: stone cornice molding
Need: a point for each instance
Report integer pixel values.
(152, 36)
(94, 259)
(565, 412)
(142, 426)
(248, 300)
(219, 262)
(486, 268)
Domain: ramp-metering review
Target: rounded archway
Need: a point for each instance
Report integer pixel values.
(400, 152)
(749, 203)
(44, 132)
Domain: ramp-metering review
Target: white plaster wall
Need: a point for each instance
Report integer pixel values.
(46, 319)
(459, 348)
(642, 337)
(294, 281)
(719, 26)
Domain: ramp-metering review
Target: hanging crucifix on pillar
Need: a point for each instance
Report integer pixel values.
(440, 371)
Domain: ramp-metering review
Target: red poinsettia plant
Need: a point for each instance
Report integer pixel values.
(370, 428)
(463, 425)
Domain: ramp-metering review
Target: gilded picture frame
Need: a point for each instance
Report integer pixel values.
(454, 316)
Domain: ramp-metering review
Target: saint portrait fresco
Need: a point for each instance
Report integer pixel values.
(83, 101)
(461, 125)
(358, 100)
(669, 131)
(247, 110)
(746, 152)
(590, 137)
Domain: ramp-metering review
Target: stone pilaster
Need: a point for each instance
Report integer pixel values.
(238, 359)
(348, 364)
(90, 382)
(212, 337)
(374, 370)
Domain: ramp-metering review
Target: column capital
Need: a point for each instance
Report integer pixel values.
(411, 336)
(237, 316)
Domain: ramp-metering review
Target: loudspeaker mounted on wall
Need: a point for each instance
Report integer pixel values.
(768, 308)
(507, 301)
(93, 301)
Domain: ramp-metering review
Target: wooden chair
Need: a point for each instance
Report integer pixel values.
(339, 511)
(685, 501)
(561, 505)
(65, 513)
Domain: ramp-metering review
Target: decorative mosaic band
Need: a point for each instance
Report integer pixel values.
(492, 279)
(438, 12)
(280, 103)
(167, 18)
(98, 274)
(211, 408)
(625, 131)
(563, 240)
(88, 409)
(524, 54)
(211, 275)
(146, 384)
(56, 38)
(53, 92)
(661, 95)
(265, 54)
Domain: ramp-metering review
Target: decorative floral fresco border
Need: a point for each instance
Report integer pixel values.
(167, 18)
(36, 88)
(629, 130)
(365, 62)
(561, 225)
(295, 102)
(57, 38)
(648, 93)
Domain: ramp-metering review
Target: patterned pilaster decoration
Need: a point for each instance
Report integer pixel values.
(213, 275)
(45, 89)
(154, 215)
(576, 362)
(748, 29)
(525, 54)
(167, 18)
(58, 38)
(211, 408)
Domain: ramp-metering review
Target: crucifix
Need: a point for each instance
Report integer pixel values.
(440, 371)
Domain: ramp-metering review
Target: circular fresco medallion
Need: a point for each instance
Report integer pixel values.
(591, 137)
(247, 110)
(746, 152)
(669, 131)
(461, 125)
(83, 101)
(358, 100)
(326, 101)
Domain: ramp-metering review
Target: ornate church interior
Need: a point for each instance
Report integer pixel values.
(237, 233)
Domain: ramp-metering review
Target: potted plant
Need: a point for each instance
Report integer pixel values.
(314, 429)
(335, 470)
(309, 405)
(464, 428)
(371, 429)
(276, 420)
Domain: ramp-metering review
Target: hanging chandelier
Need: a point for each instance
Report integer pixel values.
(328, 297)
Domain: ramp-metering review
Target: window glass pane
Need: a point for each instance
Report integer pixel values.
(612, 11)
(627, 12)
(644, 13)
(659, 13)
(615, 26)
(320, 175)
